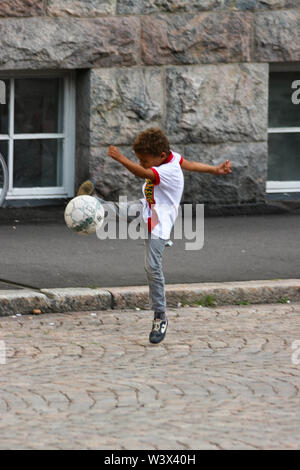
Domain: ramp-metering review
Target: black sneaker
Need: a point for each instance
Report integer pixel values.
(158, 332)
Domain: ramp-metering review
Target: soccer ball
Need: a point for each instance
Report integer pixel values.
(84, 214)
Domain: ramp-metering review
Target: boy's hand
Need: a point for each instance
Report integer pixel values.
(114, 153)
(224, 168)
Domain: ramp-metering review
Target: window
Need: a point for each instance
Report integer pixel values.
(284, 131)
(37, 135)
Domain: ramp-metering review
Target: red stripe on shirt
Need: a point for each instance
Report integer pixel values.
(157, 178)
(170, 157)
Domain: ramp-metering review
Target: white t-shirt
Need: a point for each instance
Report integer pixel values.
(162, 198)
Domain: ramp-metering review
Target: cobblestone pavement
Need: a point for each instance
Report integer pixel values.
(224, 378)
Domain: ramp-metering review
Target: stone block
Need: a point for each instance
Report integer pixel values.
(206, 294)
(144, 7)
(123, 103)
(230, 293)
(21, 8)
(193, 39)
(112, 178)
(14, 302)
(277, 36)
(245, 184)
(260, 4)
(214, 104)
(129, 297)
(77, 299)
(209, 293)
(68, 43)
(81, 8)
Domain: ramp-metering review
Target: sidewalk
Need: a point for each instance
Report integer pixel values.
(223, 378)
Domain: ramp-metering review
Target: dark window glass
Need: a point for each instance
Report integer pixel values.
(38, 105)
(37, 163)
(284, 157)
(4, 110)
(282, 111)
(4, 149)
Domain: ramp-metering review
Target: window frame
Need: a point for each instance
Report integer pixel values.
(67, 136)
(283, 186)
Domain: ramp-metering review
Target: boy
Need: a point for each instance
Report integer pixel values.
(162, 171)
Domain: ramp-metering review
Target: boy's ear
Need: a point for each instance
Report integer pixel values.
(163, 155)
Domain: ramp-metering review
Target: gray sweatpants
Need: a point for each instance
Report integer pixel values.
(154, 248)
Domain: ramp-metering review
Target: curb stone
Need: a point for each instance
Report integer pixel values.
(78, 299)
(210, 294)
(58, 300)
(24, 301)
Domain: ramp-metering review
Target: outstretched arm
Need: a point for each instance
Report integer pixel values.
(222, 169)
(133, 167)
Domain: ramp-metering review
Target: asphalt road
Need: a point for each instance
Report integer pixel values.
(235, 248)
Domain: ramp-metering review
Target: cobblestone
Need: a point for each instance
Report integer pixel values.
(223, 378)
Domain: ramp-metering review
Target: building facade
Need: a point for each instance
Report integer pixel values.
(220, 77)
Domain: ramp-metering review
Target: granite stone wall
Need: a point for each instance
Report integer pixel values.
(196, 68)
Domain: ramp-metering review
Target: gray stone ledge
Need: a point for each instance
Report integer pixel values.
(232, 293)
(77, 299)
(131, 297)
(225, 293)
(14, 302)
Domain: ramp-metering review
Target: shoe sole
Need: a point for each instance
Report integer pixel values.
(158, 341)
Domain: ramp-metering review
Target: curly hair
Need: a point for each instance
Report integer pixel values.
(151, 141)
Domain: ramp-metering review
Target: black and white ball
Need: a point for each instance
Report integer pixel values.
(84, 214)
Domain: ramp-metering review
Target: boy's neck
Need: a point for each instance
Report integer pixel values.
(167, 159)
